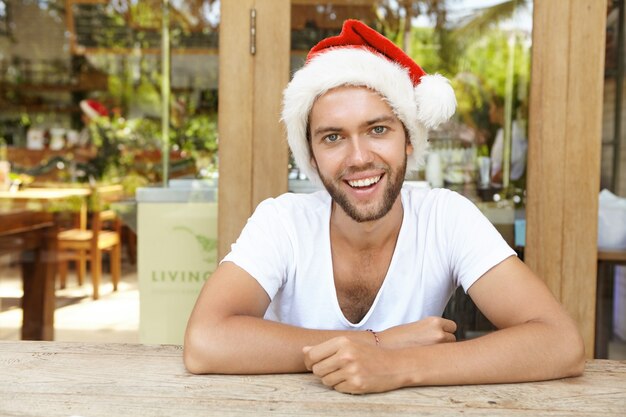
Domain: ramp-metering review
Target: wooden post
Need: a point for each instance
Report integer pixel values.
(564, 152)
(253, 154)
(271, 75)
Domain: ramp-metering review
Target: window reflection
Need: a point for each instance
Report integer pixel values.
(81, 111)
(62, 53)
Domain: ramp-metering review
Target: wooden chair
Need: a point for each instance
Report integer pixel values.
(88, 244)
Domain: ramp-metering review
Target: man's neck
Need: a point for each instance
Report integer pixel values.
(366, 235)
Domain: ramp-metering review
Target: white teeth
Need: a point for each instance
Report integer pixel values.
(364, 182)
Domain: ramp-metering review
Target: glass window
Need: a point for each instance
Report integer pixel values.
(611, 289)
(115, 94)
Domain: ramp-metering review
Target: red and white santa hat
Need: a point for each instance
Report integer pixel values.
(360, 56)
(93, 109)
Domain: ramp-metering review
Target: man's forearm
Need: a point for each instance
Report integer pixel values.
(527, 352)
(250, 345)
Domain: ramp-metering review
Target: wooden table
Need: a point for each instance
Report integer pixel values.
(604, 298)
(46, 196)
(76, 379)
(33, 235)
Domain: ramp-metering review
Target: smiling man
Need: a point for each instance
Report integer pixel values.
(350, 283)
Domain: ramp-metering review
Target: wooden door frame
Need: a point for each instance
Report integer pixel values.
(253, 153)
(565, 132)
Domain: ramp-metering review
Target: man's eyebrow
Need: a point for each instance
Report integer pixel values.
(380, 119)
(325, 129)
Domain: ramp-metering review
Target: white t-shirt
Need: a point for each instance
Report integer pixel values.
(444, 242)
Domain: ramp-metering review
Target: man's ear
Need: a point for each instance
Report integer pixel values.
(308, 141)
(409, 148)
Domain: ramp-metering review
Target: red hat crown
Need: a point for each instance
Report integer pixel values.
(355, 33)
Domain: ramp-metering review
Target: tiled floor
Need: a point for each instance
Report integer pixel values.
(112, 318)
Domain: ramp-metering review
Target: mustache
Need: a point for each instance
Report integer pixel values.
(362, 168)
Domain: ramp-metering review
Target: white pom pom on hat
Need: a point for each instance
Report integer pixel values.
(360, 56)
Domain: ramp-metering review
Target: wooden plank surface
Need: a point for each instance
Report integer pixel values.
(271, 75)
(252, 150)
(546, 132)
(62, 379)
(564, 153)
(582, 159)
(235, 118)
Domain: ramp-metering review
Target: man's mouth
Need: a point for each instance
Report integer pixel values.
(364, 182)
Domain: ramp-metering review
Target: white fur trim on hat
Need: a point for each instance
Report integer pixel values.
(418, 108)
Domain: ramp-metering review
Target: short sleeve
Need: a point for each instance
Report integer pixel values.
(475, 245)
(264, 248)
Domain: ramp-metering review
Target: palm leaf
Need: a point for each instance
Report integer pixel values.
(483, 19)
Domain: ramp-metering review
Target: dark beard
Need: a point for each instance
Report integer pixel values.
(389, 197)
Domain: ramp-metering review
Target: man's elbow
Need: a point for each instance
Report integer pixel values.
(578, 363)
(197, 354)
(192, 361)
(574, 346)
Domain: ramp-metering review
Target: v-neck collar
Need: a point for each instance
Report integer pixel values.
(329, 265)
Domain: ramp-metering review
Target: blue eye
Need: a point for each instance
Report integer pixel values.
(331, 138)
(379, 130)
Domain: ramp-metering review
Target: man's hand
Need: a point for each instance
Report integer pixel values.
(356, 368)
(353, 367)
(428, 331)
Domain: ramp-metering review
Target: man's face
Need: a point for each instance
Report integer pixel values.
(360, 150)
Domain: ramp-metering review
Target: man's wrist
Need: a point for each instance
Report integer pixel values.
(376, 337)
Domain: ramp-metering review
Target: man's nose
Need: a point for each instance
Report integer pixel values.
(359, 151)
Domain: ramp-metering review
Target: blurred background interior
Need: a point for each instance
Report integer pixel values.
(118, 99)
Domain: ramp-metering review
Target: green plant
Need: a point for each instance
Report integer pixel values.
(121, 145)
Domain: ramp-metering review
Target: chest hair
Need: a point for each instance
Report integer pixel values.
(358, 279)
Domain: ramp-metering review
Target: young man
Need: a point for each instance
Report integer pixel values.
(350, 283)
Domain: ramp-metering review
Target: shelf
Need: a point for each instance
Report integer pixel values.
(41, 108)
(19, 103)
(52, 88)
